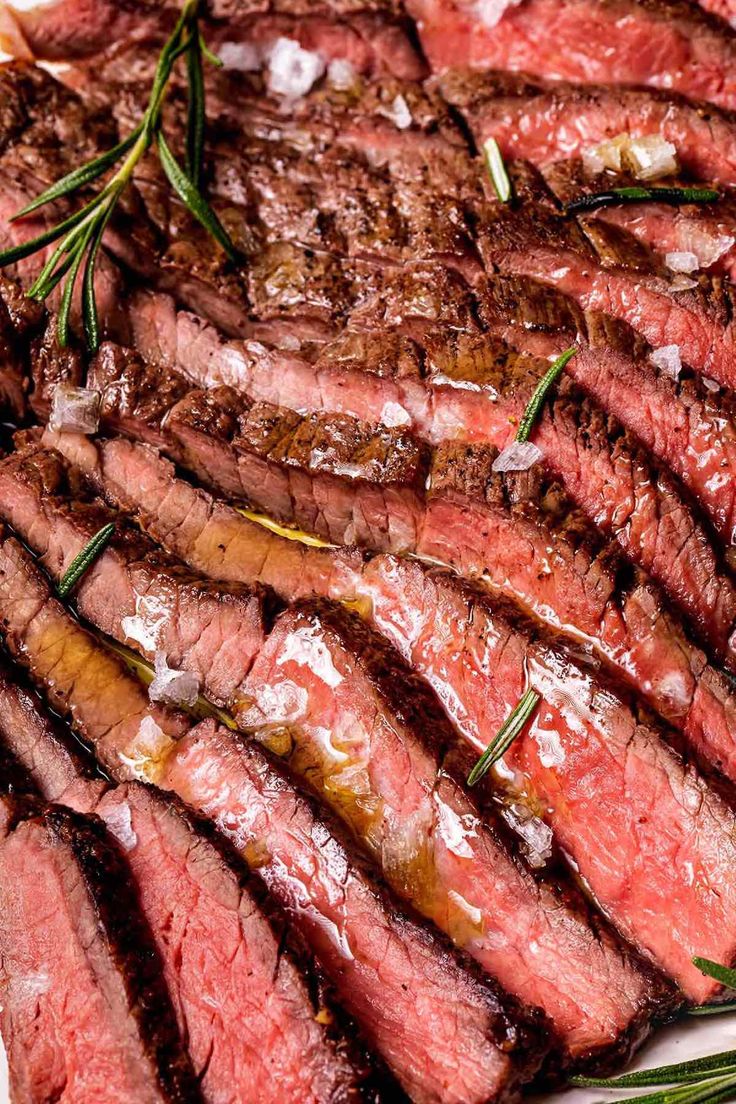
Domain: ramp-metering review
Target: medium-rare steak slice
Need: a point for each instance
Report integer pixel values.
(667, 44)
(480, 664)
(371, 35)
(209, 535)
(387, 769)
(705, 230)
(530, 238)
(214, 631)
(545, 122)
(220, 943)
(85, 1015)
(488, 526)
(392, 975)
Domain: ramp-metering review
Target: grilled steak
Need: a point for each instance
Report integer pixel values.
(373, 36)
(479, 664)
(220, 944)
(213, 631)
(499, 528)
(343, 917)
(561, 120)
(210, 536)
(85, 1015)
(666, 45)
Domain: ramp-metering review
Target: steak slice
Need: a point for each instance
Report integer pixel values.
(637, 822)
(665, 45)
(386, 768)
(85, 1014)
(214, 631)
(210, 536)
(221, 944)
(328, 474)
(546, 122)
(372, 36)
(705, 230)
(488, 526)
(535, 241)
(387, 971)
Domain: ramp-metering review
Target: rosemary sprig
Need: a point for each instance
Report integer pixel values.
(507, 733)
(497, 170)
(678, 1073)
(84, 559)
(536, 402)
(724, 974)
(81, 233)
(673, 196)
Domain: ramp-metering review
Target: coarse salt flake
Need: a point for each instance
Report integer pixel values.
(681, 262)
(74, 409)
(171, 686)
(293, 71)
(518, 456)
(668, 360)
(341, 74)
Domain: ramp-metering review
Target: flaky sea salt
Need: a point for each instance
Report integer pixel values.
(668, 360)
(398, 112)
(171, 686)
(245, 57)
(74, 409)
(490, 12)
(292, 71)
(681, 262)
(518, 456)
(341, 74)
(646, 158)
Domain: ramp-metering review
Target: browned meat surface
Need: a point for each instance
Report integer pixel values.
(85, 1016)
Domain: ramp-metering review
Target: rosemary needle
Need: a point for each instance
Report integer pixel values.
(507, 733)
(80, 235)
(536, 402)
(497, 170)
(84, 559)
(673, 196)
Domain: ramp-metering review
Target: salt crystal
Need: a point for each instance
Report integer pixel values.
(708, 248)
(681, 262)
(518, 456)
(537, 835)
(668, 360)
(398, 112)
(341, 74)
(711, 384)
(171, 686)
(120, 823)
(650, 157)
(74, 409)
(293, 71)
(490, 12)
(245, 57)
(683, 283)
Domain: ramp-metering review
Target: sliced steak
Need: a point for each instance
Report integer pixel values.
(328, 474)
(665, 45)
(207, 534)
(215, 631)
(642, 828)
(706, 230)
(545, 122)
(487, 526)
(220, 943)
(386, 769)
(386, 970)
(85, 1015)
(373, 36)
(541, 244)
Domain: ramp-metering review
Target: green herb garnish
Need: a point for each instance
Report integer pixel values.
(497, 170)
(81, 233)
(673, 196)
(507, 733)
(84, 559)
(536, 402)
